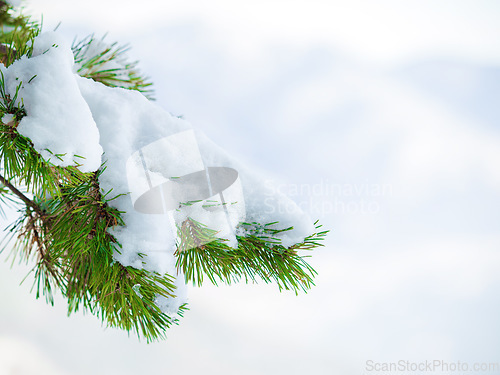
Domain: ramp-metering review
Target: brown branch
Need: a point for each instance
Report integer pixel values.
(36, 236)
(21, 196)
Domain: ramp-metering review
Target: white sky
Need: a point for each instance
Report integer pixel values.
(386, 30)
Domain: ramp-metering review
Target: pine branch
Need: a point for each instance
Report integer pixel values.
(75, 255)
(18, 33)
(108, 64)
(259, 255)
(20, 195)
(65, 226)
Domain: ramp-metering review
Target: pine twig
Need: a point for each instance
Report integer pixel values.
(20, 195)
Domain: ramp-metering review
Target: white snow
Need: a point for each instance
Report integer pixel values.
(58, 121)
(263, 202)
(7, 118)
(162, 169)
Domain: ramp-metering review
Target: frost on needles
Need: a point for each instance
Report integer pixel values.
(121, 203)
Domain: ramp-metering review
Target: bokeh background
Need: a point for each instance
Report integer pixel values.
(380, 118)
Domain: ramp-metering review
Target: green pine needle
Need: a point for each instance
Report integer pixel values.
(259, 256)
(107, 63)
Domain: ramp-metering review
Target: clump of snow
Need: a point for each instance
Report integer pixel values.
(264, 203)
(128, 122)
(58, 121)
(162, 171)
(137, 290)
(7, 118)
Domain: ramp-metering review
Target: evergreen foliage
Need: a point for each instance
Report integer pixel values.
(64, 215)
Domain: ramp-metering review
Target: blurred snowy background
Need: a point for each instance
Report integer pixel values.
(381, 119)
